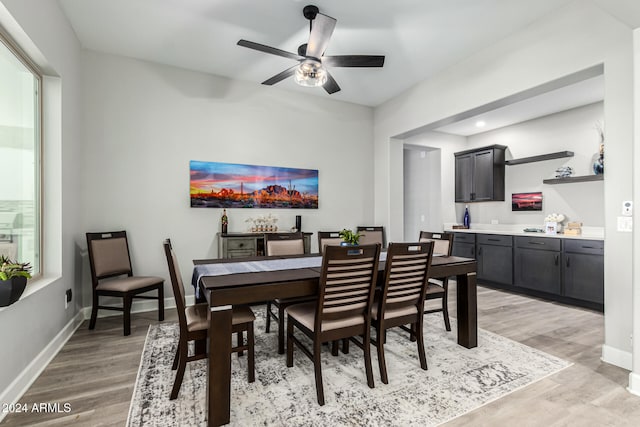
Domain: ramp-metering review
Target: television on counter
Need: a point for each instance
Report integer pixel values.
(526, 201)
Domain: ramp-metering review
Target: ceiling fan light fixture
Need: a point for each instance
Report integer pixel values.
(311, 73)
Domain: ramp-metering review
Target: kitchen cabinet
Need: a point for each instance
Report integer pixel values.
(479, 174)
(537, 264)
(464, 245)
(583, 270)
(495, 258)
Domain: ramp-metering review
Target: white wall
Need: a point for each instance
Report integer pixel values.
(144, 122)
(575, 38)
(32, 329)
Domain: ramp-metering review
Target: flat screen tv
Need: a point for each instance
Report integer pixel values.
(526, 201)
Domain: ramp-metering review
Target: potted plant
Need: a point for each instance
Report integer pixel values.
(349, 238)
(13, 280)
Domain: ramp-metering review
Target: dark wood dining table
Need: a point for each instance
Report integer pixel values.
(223, 291)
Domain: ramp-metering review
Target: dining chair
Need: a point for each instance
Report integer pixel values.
(438, 288)
(342, 309)
(282, 244)
(112, 276)
(328, 238)
(194, 326)
(372, 234)
(401, 300)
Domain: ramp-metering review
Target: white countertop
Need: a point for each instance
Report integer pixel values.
(590, 233)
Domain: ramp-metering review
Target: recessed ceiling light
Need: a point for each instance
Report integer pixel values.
(480, 123)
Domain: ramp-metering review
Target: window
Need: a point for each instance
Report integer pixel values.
(20, 148)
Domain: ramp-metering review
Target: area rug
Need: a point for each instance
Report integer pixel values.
(458, 381)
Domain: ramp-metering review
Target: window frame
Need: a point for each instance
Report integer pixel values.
(22, 56)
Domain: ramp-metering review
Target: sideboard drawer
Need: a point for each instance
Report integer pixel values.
(241, 243)
(542, 243)
(240, 254)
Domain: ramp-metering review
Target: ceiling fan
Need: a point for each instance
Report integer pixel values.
(311, 68)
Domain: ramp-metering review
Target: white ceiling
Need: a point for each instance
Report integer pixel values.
(418, 37)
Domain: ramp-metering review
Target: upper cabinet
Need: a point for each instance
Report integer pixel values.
(480, 174)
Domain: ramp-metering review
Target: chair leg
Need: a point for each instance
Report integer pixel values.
(182, 364)
(334, 348)
(268, 327)
(94, 311)
(289, 343)
(445, 311)
(176, 358)
(281, 329)
(412, 334)
(161, 302)
(240, 341)
(250, 359)
(317, 367)
(381, 360)
(127, 314)
(420, 339)
(366, 343)
(345, 346)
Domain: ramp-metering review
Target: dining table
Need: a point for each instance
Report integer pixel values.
(227, 282)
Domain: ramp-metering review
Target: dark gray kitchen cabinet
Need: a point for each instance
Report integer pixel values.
(537, 264)
(583, 270)
(495, 258)
(479, 174)
(464, 245)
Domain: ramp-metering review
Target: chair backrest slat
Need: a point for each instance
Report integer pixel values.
(278, 244)
(108, 255)
(347, 281)
(406, 274)
(443, 242)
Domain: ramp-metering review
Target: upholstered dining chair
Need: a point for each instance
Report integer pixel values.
(342, 309)
(112, 275)
(401, 300)
(372, 234)
(193, 326)
(328, 238)
(280, 244)
(439, 287)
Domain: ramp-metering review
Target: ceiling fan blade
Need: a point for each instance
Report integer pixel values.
(321, 30)
(331, 86)
(269, 49)
(281, 76)
(354, 61)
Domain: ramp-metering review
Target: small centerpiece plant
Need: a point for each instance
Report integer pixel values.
(349, 238)
(13, 280)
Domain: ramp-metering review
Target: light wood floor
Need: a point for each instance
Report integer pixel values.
(96, 370)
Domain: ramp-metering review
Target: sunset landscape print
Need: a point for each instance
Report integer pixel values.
(231, 185)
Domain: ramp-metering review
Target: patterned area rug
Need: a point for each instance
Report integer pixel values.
(458, 380)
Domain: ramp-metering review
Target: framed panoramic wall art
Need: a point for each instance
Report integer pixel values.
(526, 201)
(231, 185)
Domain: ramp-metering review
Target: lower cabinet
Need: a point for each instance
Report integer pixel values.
(537, 264)
(583, 270)
(495, 260)
(464, 245)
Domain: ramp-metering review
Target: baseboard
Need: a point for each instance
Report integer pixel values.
(27, 377)
(634, 383)
(617, 357)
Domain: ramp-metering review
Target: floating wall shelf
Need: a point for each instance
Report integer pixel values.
(571, 179)
(539, 158)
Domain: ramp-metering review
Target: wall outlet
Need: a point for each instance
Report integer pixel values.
(494, 222)
(68, 295)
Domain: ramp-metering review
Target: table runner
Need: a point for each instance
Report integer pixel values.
(221, 269)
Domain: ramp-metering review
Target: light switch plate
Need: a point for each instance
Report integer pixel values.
(627, 208)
